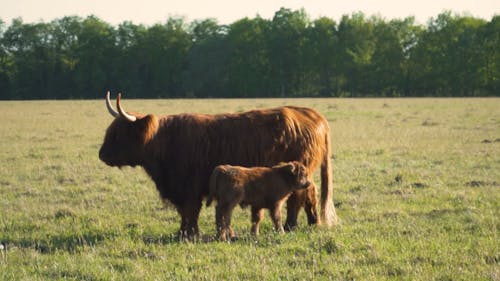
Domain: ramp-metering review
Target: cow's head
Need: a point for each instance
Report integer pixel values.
(127, 136)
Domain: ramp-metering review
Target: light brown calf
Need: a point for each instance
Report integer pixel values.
(259, 187)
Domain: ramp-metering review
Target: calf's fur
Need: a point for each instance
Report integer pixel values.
(259, 187)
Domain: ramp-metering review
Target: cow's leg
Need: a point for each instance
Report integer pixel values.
(189, 219)
(302, 198)
(310, 204)
(256, 218)
(276, 216)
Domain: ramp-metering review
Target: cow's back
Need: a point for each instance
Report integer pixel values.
(267, 137)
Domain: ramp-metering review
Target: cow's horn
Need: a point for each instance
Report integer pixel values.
(122, 112)
(111, 110)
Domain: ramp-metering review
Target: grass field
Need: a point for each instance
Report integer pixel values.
(417, 187)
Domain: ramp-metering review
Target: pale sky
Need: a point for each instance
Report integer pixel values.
(149, 12)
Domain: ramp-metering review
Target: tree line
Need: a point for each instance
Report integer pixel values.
(289, 55)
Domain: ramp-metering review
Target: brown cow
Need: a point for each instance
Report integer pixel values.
(259, 187)
(180, 151)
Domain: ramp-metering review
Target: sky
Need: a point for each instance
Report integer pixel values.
(149, 12)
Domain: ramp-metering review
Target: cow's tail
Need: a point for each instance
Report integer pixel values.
(212, 188)
(328, 214)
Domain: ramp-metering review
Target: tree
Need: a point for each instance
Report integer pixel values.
(357, 47)
(66, 59)
(33, 58)
(290, 55)
(323, 63)
(388, 71)
(6, 66)
(409, 35)
(446, 60)
(207, 69)
(94, 56)
(249, 60)
(489, 70)
(286, 40)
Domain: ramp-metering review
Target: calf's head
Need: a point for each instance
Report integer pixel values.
(295, 173)
(127, 136)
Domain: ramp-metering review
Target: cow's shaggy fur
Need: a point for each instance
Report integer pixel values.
(179, 152)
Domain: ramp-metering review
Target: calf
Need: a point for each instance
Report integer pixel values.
(259, 187)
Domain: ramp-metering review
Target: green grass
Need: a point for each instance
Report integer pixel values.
(417, 187)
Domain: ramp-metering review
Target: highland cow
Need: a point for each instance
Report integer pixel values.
(180, 151)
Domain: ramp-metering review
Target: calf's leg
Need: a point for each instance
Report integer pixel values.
(256, 219)
(221, 214)
(276, 216)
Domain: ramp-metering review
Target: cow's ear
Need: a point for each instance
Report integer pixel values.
(148, 127)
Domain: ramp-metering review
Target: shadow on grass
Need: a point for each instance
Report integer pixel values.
(73, 242)
(69, 242)
(78, 240)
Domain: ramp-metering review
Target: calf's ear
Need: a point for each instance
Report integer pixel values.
(289, 168)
